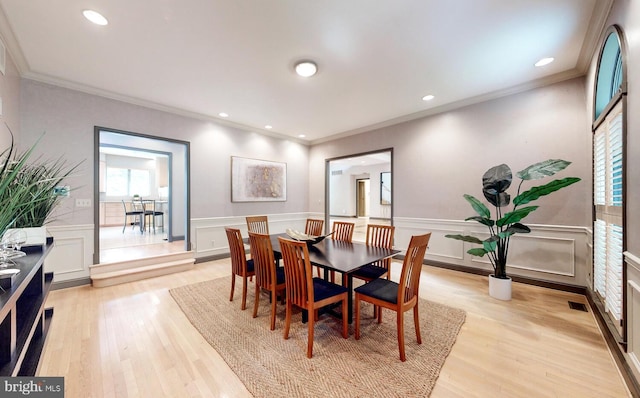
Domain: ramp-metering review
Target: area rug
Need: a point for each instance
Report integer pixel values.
(270, 366)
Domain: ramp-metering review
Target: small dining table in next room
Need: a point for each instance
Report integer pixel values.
(343, 257)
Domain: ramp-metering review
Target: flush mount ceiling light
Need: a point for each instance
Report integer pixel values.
(95, 17)
(306, 68)
(544, 61)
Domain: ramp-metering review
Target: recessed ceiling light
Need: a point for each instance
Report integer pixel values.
(544, 61)
(222, 114)
(428, 97)
(268, 127)
(95, 17)
(306, 68)
(301, 135)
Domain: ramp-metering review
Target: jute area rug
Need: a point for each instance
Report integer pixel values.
(270, 366)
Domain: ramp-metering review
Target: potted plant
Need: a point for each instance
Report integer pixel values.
(495, 183)
(28, 193)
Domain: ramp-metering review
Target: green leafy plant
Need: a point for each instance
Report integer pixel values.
(495, 182)
(27, 190)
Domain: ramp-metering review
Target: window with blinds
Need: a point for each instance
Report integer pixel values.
(608, 200)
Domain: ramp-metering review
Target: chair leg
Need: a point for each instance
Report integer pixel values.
(244, 293)
(287, 319)
(379, 314)
(233, 286)
(416, 321)
(401, 335)
(345, 322)
(274, 301)
(311, 324)
(357, 315)
(256, 302)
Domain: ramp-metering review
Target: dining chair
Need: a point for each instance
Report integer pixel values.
(399, 297)
(150, 212)
(239, 264)
(268, 276)
(377, 236)
(314, 227)
(132, 212)
(305, 291)
(341, 231)
(258, 224)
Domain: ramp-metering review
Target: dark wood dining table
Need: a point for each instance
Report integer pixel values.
(343, 257)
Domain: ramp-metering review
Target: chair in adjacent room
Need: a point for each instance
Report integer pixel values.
(268, 276)
(132, 212)
(307, 292)
(239, 264)
(399, 297)
(150, 213)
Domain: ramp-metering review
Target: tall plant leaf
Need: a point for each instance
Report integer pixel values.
(543, 169)
(478, 206)
(542, 190)
(515, 216)
(482, 220)
(477, 251)
(465, 238)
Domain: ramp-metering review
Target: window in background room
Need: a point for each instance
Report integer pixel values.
(127, 182)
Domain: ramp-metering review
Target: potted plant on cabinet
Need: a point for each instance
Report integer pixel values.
(28, 193)
(495, 183)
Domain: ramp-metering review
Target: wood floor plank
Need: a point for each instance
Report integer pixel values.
(132, 340)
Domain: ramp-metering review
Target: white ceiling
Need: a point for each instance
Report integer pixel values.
(376, 59)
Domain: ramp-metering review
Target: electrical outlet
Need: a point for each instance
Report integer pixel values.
(83, 202)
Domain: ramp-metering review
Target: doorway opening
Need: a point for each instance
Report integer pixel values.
(359, 190)
(142, 196)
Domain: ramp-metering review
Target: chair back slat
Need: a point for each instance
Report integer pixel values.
(342, 231)
(263, 259)
(380, 236)
(236, 250)
(314, 227)
(297, 272)
(258, 224)
(411, 267)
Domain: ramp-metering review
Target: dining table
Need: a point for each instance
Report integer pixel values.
(340, 256)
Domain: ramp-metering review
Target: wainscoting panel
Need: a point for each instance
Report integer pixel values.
(72, 252)
(633, 311)
(551, 253)
(210, 239)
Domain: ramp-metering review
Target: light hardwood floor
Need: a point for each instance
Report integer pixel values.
(132, 340)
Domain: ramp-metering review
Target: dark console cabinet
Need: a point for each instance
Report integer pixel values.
(25, 321)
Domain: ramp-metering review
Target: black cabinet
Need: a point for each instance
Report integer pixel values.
(25, 321)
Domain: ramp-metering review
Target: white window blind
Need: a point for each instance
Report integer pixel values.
(608, 200)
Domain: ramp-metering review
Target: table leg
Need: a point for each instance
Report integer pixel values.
(350, 297)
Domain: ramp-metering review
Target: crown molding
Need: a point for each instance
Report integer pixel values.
(597, 25)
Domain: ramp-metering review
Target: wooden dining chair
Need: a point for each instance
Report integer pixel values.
(268, 276)
(377, 236)
(399, 297)
(341, 231)
(258, 224)
(239, 264)
(314, 227)
(307, 292)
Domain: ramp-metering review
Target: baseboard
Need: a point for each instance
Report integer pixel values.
(70, 283)
(214, 257)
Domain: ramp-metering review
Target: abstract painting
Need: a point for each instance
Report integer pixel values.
(254, 180)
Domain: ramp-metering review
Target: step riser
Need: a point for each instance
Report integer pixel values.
(137, 275)
(143, 262)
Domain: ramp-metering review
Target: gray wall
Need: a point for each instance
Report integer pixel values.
(69, 117)
(439, 158)
(10, 93)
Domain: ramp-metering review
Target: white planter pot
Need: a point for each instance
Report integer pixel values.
(500, 288)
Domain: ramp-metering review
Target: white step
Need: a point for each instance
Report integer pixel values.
(109, 274)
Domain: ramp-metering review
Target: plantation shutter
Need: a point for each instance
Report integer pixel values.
(608, 199)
